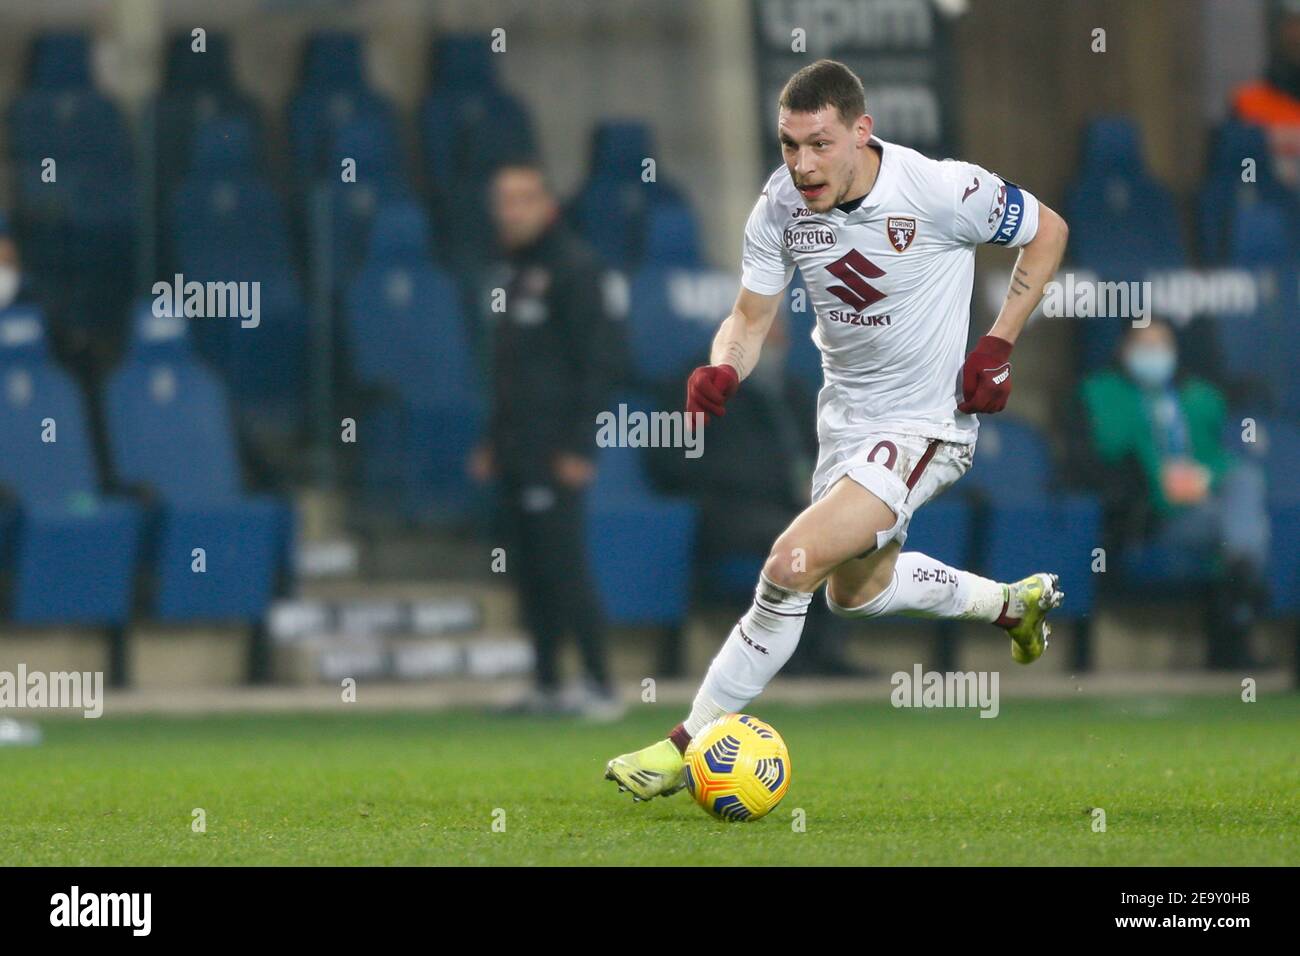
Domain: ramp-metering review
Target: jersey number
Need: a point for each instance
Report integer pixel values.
(853, 269)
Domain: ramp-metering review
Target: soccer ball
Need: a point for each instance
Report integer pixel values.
(737, 768)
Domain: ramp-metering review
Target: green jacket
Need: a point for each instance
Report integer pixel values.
(1121, 428)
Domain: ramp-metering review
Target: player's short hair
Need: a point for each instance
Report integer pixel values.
(822, 84)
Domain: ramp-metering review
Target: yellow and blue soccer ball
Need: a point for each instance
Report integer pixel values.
(737, 768)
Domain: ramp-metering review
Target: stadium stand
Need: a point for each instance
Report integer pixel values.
(411, 358)
(76, 192)
(469, 125)
(68, 549)
(171, 440)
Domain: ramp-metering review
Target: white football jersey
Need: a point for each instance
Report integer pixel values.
(890, 283)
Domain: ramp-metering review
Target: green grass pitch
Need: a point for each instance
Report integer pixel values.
(1192, 781)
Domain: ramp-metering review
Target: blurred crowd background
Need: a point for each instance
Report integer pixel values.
(306, 484)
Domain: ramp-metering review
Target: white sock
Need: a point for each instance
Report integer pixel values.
(757, 647)
(924, 587)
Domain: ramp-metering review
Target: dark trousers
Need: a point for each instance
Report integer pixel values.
(546, 557)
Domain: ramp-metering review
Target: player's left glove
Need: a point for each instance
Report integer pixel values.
(986, 376)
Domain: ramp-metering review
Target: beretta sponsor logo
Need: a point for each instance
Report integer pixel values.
(810, 237)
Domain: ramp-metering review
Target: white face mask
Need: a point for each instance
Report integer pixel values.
(10, 280)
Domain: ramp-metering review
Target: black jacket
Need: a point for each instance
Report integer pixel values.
(556, 354)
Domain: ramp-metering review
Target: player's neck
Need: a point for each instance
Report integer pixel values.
(865, 178)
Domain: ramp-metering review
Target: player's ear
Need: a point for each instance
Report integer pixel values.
(862, 130)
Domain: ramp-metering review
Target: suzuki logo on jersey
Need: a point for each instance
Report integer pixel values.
(853, 269)
(813, 237)
(853, 318)
(901, 230)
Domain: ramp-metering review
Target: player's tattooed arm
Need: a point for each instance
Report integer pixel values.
(740, 337)
(1020, 281)
(1038, 261)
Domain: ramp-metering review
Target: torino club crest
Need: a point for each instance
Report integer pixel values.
(901, 230)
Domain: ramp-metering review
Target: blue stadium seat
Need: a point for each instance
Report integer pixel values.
(1026, 524)
(1123, 223)
(672, 316)
(1223, 194)
(229, 225)
(469, 125)
(612, 209)
(380, 180)
(60, 61)
(333, 60)
(944, 529)
(803, 359)
(169, 431)
(672, 237)
(1256, 349)
(1262, 235)
(198, 87)
(408, 341)
(71, 552)
(78, 231)
(332, 93)
(227, 222)
(639, 542)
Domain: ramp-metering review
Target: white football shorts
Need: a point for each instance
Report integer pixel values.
(904, 471)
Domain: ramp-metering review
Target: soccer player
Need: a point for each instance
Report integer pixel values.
(885, 240)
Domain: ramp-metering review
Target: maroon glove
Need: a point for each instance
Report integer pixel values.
(709, 387)
(986, 376)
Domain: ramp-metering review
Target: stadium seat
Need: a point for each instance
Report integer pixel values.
(380, 180)
(333, 60)
(78, 229)
(1262, 235)
(70, 552)
(60, 61)
(672, 316)
(1123, 224)
(170, 434)
(1255, 349)
(1223, 193)
(613, 208)
(227, 221)
(409, 349)
(228, 224)
(469, 125)
(803, 359)
(198, 87)
(1025, 523)
(332, 92)
(672, 237)
(639, 542)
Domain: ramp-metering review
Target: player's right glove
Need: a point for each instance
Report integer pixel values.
(709, 387)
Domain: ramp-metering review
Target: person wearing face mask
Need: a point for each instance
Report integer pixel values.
(1157, 444)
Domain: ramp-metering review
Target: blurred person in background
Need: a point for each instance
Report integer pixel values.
(1157, 448)
(1273, 101)
(744, 503)
(554, 358)
(11, 272)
